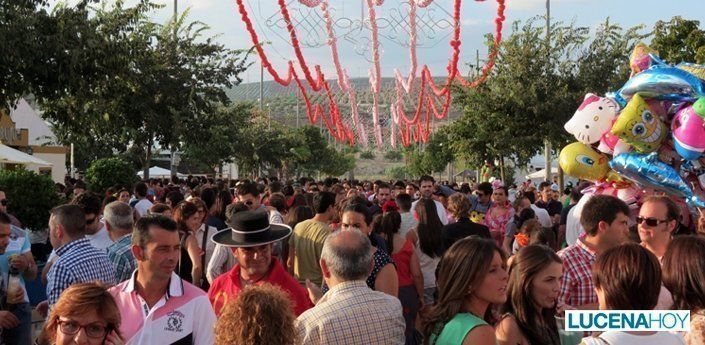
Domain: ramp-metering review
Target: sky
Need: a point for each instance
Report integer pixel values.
(477, 20)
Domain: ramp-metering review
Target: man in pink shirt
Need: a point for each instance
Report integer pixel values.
(156, 306)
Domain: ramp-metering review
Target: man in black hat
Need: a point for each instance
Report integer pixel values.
(250, 238)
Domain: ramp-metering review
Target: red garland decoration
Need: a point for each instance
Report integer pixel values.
(334, 125)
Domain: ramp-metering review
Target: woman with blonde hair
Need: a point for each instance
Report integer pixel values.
(260, 315)
(472, 277)
(84, 314)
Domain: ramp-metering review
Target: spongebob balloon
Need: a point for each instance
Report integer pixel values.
(581, 161)
(639, 126)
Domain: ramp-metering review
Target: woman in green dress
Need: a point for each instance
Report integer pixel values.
(472, 276)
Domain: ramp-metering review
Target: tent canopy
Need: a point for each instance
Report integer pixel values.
(541, 174)
(11, 156)
(156, 171)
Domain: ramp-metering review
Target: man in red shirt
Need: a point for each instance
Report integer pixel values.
(250, 238)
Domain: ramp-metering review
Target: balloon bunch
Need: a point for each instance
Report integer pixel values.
(649, 135)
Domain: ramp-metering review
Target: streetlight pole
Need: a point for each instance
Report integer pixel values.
(547, 143)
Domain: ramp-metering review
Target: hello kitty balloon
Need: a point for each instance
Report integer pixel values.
(593, 119)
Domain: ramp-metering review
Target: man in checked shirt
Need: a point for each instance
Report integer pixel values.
(605, 220)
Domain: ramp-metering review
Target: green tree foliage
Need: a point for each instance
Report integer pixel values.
(31, 208)
(679, 40)
(534, 89)
(369, 154)
(310, 153)
(110, 172)
(434, 157)
(393, 155)
(128, 84)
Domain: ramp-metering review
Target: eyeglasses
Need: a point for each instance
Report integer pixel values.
(650, 221)
(3, 202)
(94, 330)
(90, 221)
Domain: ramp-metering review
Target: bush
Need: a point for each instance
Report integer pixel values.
(31, 197)
(109, 172)
(367, 155)
(393, 155)
(397, 173)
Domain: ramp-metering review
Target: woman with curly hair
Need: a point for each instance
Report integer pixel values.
(260, 315)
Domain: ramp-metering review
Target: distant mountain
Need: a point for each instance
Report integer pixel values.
(282, 103)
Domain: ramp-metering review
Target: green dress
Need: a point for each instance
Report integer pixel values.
(454, 332)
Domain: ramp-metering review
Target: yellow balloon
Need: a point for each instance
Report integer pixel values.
(639, 126)
(582, 161)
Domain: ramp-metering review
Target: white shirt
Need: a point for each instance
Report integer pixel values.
(573, 228)
(543, 216)
(408, 223)
(623, 338)
(439, 209)
(100, 240)
(143, 206)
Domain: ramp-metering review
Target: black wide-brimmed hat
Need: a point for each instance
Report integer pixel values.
(249, 229)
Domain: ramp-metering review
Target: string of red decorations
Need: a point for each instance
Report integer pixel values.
(408, 128)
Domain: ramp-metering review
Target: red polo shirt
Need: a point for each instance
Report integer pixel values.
(226, 288)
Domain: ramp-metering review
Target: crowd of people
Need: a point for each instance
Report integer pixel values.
(204, 261)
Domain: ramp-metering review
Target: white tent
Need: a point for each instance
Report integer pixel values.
(156, 171)
(11, 156)
(541, 174)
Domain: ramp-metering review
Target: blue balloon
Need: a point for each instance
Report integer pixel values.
(647, 170)
(663, 82)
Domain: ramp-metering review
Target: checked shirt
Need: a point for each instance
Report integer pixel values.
(78, 262)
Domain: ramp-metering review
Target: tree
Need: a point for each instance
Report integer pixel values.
(507, 118)
(436, 154)
(110, 172)
(220, 136)
(153, 84)
(679, 40)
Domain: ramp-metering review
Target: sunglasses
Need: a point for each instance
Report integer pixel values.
(3, 202)
(650, 221)
(90, 221)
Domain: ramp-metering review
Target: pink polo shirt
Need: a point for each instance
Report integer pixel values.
(183, 316)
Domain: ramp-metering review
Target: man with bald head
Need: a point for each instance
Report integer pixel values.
(350, 312)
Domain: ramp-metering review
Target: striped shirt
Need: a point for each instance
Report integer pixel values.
(120, 255)
(352, 313)
(78, 262)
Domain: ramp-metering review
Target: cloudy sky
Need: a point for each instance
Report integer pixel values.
(477, 20)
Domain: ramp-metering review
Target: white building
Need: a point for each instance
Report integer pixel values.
(24, 130)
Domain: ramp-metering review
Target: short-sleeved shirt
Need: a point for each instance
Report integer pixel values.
(182, 316)
(120, 254)
(307, 241)
(577, 287)
(226, 288)
(19, 245)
